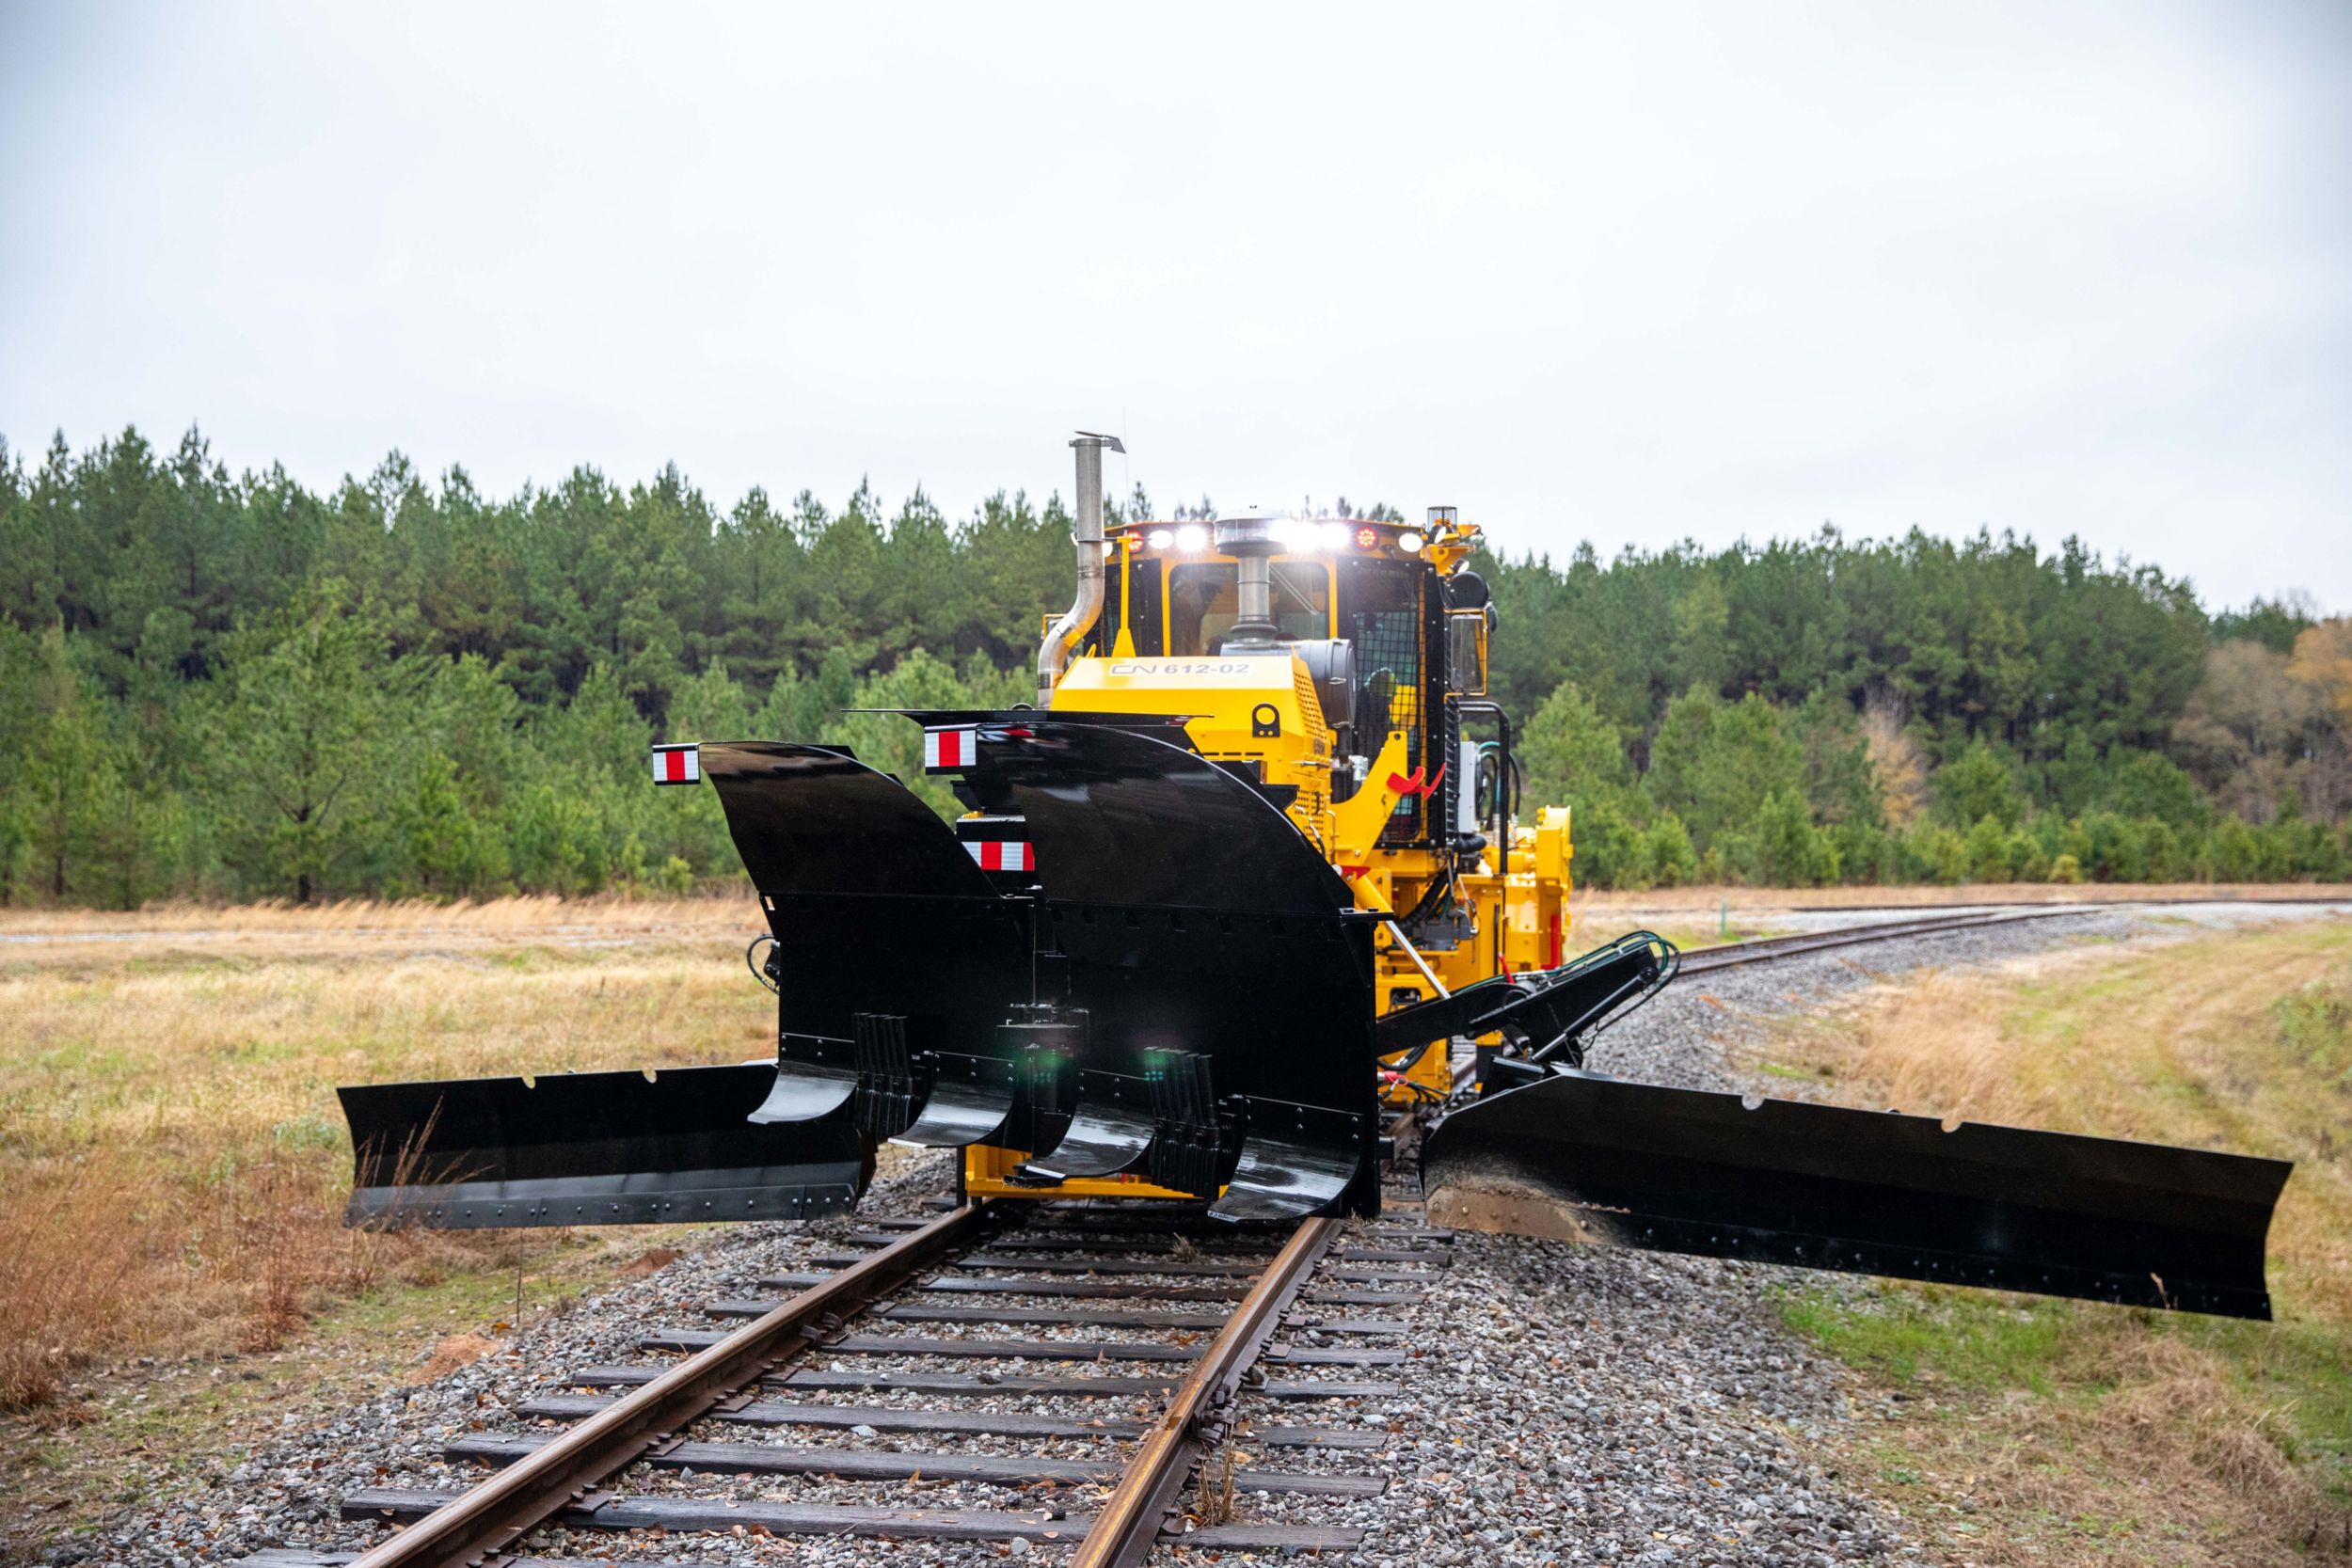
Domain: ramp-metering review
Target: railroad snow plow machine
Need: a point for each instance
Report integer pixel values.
(1246, 903)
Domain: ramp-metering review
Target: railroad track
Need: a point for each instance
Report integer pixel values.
(1700, 961)
(958, 1316)
(1406, 1128)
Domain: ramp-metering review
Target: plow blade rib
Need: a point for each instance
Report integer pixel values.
(1295, 1160)
(804, 1091)
(1679, 1170)
(968, 1104)
(590, 1148)
(1109, 1135)
(1195, 919)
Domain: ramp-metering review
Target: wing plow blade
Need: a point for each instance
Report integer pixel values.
(1590, 1158)
(591, 1149)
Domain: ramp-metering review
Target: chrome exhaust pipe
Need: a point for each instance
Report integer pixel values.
(1079, 619)
(1253, 544)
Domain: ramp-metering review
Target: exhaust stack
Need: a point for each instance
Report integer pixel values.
(1251, 541)
(1054, 655)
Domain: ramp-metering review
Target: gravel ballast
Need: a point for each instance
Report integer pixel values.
(1557, 1404)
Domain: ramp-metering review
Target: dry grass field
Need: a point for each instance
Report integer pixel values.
(173, 1160)
(2024, 1431)
(173, 1268)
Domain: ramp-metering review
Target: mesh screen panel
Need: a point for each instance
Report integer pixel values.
(1387, 641)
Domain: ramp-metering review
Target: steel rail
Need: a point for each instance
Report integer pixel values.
(1701, 961)
(2117, 903)
(1698, 961)
(1129, 1523)
(489, 1517)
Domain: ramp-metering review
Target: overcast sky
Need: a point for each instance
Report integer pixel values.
(1624, 273)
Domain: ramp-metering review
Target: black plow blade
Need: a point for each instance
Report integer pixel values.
(1589, 1158)
(1109, 1135)
(887, 939)
(971, 1099)
(592, 1149)
(1223, 968)
(1295, 1159)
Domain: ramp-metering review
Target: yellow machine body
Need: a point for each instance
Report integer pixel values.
(1262, 709)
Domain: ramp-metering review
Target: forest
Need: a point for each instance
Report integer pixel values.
(231, 688)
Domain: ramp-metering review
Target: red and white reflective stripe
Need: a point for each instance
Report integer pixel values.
(677, 763)
(948, 749)
(997, 855)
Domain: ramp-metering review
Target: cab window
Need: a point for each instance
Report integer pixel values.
(1203, 603)
(1143, 592)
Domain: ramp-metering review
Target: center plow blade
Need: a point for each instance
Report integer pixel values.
(1678, 1170)
(1219, 961)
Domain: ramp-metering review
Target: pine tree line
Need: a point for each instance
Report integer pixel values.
(1923, 710)
(234, 688)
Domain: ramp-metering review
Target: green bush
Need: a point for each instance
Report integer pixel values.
(2328, 859)
(2118, 848)
(1977, 783)
(2026, 863)
(1986, 848)
(1867, 853)
(1933, 853)
(2232, 852)
(1671, 859)
(2314, 1022)
(1610, 852)
(2294, 847)
(1787, 849)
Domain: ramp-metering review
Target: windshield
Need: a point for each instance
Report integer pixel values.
(1203, 603)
